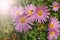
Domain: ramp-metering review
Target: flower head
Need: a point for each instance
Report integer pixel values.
(55, 6)
(54, 23)
(22, 23)
(53, 34)
(29, 9)
(17, 11)
(41, 13)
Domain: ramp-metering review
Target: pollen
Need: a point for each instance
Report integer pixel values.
(17, 13)
(52, 33)
(54, 6)
(40, 12)
(51, 25)
(30, 12)
(22, 20)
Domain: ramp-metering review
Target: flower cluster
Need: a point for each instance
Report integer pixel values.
(25, 16)
(54, 24)
(53, 28)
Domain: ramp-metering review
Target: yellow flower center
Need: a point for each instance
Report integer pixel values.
(51, 25)
(40, 12)
(54, 6)
(52, 33)
(30, 12)
(22, 20)
(17, 13)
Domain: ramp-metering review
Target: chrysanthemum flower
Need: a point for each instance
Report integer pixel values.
(29, 9)
(53, 34)
(55, 6)
(17, 11)
(54, 23)
(42, 14)
(23, 23)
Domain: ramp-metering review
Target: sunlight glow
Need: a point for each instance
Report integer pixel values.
(6, 5)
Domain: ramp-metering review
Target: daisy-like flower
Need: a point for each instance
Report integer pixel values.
(17, 11)
(23, 23)
(29, 9)
(55, 6)
(54, 23)
(53, 34)
(42, 14)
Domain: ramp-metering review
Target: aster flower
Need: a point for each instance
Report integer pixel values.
(41, 14)
(17, 11)
(54, 23)
(55, 6)
(53, 34)
(22, 23)
(29, 10)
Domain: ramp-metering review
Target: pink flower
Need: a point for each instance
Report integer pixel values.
(54, 23)
(17, 12)
(53, 34)
(55, 6)
(22, 23)
(29, 10)
(42, 14)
